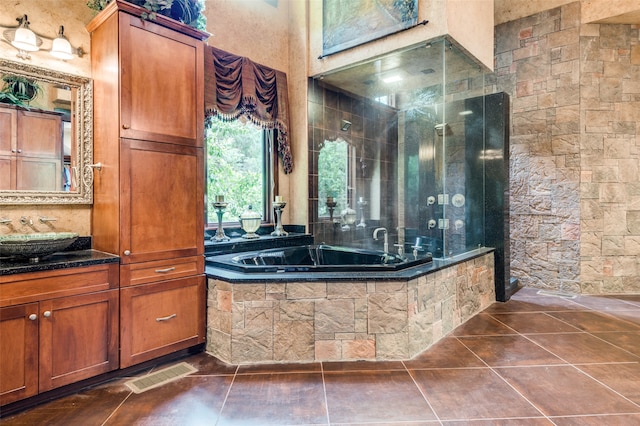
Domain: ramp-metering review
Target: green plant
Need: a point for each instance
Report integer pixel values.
(10, 98)
(21, 88)
(188, 12)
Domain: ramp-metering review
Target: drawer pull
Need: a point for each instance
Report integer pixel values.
(33, 317)
(166, 318)
(164, 271)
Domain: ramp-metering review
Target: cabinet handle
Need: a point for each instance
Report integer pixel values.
(33, 317)
(127, 252)
(47, 314)
(164, 271)
(126, 126)
(167, 318)
(19, 151)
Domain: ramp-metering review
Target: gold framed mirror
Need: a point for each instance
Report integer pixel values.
(46, 140)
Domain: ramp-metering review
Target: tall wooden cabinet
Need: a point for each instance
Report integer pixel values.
(30, 149)
(149, 195)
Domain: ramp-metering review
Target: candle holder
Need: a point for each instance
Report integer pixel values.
(279, 231)
(361, 205)
(219, 206)
(331, 206)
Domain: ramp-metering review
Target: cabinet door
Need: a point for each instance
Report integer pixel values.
(8, 134)
(157, 319)
(162, 78)
(8, 148)
(162, 201)
(18, 352)
(78, 338)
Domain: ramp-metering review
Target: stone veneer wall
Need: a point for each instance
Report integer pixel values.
(350, 320)
(575, 187)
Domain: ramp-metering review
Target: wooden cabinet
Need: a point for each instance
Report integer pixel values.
(161, 317)
(149, 196)
(30, 149)
(57, 328)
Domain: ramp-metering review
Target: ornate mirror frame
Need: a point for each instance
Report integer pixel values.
(83, 137)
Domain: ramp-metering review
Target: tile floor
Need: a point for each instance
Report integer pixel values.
(535, 360)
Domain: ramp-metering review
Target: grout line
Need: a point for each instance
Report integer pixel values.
(224, 402)
(324, 392)
(422, 393)
(117, 408)
(505, 380)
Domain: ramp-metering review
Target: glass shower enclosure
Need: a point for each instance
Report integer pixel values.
(409, 142)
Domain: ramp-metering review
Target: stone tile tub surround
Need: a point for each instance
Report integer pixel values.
(305, 321)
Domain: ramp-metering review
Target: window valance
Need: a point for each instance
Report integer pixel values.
(236, 86)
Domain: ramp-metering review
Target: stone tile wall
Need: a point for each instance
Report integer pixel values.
(350, 320)
(574, 152)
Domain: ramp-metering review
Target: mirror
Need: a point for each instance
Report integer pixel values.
(46, 140)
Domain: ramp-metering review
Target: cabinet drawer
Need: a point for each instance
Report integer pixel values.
(160, 270)
(160, 318)
(30, 287)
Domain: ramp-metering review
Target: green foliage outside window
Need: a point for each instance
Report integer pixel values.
(333, 181)
(235, 168)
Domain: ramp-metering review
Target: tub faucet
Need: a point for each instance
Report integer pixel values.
(386, 237)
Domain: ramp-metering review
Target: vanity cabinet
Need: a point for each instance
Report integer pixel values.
(56, 328)
(149, 196)
(30, 149)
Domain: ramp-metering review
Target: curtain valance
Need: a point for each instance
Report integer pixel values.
(236, 86)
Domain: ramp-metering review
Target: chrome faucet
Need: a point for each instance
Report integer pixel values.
(386, 237)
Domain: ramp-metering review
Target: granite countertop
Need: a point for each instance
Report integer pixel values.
(401, 275)
(61, 260)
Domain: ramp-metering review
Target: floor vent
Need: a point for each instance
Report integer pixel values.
(160, 377)
(557, 294)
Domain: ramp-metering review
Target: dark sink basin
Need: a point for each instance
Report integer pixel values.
(36, 245)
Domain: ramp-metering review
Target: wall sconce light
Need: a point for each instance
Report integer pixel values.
(345, 125)
(25, 40)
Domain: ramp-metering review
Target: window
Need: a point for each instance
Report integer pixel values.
(240, 167)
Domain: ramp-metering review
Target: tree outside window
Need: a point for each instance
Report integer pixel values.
(236, 168)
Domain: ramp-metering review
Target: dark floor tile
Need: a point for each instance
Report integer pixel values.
(192, 400)
(603, 303)
(537, 421)
(362, 366)
(482, 325)
(579, 348)
(611, 420)
(528, 300)
(447, 353)
(565, 391)
(509, 351)
(473, 393)
(630, 316)
(209, 365)
(267, 399)
(375, 396)
(89, 407)
(534, 322)
(623, 378)
(629, 341)
(594, 321)
(312, 367)
(634, 299)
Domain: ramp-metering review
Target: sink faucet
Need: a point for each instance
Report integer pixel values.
(386, 237)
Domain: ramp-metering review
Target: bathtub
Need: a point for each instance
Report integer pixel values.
(315, 258)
